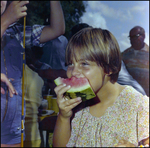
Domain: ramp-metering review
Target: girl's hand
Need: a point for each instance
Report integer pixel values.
(124, 143)
(65, 105)
(16, 10)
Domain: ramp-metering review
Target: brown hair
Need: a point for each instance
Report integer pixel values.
(98, 45)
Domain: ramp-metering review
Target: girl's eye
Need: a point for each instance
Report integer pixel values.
(70, 64)
(85, 63)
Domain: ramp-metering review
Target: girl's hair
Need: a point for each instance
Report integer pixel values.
(97, 45)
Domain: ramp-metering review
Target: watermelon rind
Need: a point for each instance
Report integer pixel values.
(84, 92)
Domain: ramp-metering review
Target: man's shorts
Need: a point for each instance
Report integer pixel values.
(32, 143)
(11, 124)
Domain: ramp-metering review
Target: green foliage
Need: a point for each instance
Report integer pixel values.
(39, 12)
(36, 13)
(73, 11)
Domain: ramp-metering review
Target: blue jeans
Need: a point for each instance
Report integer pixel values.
(11, 108)
(11, 125)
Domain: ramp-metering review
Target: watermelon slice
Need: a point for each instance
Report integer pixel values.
(80, 87)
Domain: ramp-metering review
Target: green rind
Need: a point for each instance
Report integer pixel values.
(79, 89)
(56, 81)
(85, 92)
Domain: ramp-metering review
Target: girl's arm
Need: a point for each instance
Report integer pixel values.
(62, 132)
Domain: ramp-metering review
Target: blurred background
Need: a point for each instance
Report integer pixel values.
(116, 16)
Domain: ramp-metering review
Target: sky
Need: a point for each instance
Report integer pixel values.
(119, 17)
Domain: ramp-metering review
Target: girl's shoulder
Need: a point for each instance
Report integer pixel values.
(129, 91)
(131, 97)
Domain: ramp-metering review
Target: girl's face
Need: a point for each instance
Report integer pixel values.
(3, 6)
(88, 69)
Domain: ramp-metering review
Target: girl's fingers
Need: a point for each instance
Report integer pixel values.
(60, 90)
(68, 105)
(71, 102)
(65, 105)
(57, 88)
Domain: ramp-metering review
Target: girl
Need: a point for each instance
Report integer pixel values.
(118, 115)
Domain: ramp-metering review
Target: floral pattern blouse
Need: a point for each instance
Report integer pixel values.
(127, 118)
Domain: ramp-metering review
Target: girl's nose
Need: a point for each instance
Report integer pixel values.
(76, 71)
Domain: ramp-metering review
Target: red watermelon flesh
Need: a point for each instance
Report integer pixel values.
(75, 82)
(80, 87)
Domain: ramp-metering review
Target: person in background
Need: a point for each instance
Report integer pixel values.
(124, 77)
(136, 57)
(77, 28)
(45, 71)
(33, 84)
(37, 53)
(118, 116)
(50, 74)
(54, 53)
(35, 62)
(12, 60)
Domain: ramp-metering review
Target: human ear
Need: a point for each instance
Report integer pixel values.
(108, 71)
(108, 74)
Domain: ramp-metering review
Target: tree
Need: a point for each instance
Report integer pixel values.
(73, 11)
(38, 13)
